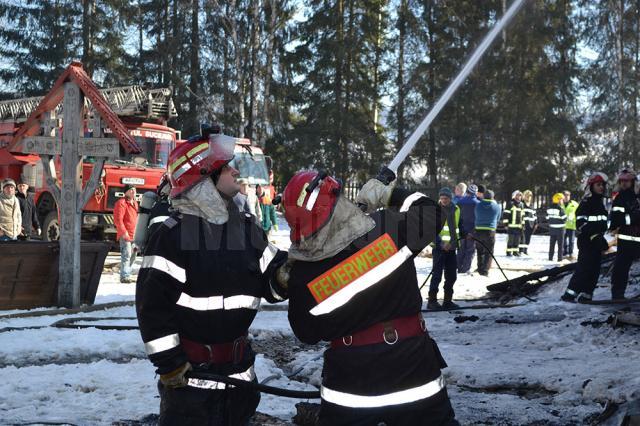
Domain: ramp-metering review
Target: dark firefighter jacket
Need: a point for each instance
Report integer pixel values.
(625, 216)
(591, 222)
(371, 281)
(514, 215)
(203, 282)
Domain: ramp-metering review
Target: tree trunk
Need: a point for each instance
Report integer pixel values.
(268, 73)
(376, 69)
(88, 8)
(620, 75)
(400, 86)
(237, 52)
(338, 82)
(432, 167)
(141, 74)
(194, 83)
(255, 68)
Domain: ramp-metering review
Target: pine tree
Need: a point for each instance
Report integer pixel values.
(39, 41)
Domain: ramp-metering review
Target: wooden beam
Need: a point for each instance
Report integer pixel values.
(51, 180)
(43, 145)
(92, 183)
(100, 147)
(70, 212)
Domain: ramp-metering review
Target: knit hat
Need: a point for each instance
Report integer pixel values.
(488, 194)
(8, 181)
(128, 187)
(472, 189)
(482, 189)
(445, 192)
(515, 193)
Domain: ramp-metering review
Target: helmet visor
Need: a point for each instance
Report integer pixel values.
(221, 148)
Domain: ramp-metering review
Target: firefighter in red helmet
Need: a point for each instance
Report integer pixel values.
(352, 282)
(591, 225)
(204, 272)
(625, 221)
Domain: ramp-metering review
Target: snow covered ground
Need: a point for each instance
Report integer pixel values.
(533, 364)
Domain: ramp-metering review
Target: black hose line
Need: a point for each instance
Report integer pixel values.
(286, 393)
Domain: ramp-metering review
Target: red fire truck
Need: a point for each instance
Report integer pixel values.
(144, 112)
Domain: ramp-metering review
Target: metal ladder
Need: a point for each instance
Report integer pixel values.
(130, 101)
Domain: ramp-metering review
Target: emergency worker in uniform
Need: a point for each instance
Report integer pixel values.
(530, 219)
(625, 221)
(591, 223)
(514, 222)
(203, 275)
(352, 282)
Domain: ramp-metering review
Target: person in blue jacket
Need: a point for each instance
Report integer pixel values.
(467, 248)
(488, 213)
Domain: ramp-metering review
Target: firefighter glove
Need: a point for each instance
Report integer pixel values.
(374, 194)
(176, 378)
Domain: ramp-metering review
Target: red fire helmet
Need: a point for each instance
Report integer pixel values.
(308, 200)
(626, 174)
(193, 161)
(596, 177)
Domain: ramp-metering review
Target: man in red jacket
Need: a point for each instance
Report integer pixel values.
(125, 216)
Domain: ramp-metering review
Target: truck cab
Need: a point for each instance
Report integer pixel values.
(144, 113)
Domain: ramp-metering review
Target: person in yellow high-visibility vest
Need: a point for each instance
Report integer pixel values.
(444, 253)
(570, 207)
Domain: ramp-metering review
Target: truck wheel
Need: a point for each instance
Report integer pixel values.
(51, 227)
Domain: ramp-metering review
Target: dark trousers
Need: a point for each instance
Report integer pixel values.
(484, 246)
(525, 238)
(585, 277)
(190, 406)
(443, 261)
(569, 239)
(556, 237)
(627, 252)
(465, 255)
(436, 411)
(513, 241)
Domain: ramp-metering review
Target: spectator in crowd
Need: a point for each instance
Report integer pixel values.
(459, 191)
(268, 210)
(556, 218)
(514, 221)
(530, 219)
(570, 207)
(125, 217)
(444, 253)
(481, 190)
(467, 247)
(241, 199)
(28, 209)
(10, 214)
(488, 213)
(254, 203)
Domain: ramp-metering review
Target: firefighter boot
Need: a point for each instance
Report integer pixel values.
(432, 303)
(448, 302)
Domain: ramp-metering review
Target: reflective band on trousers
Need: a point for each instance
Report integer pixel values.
(628, 238)
(247, 376)
(593, 218)
(162, 344)
(166, 266)
(556, 225)
(267, 256)
(395, 398)
(157, 219)
(214, 303)
(618, 209)
(362, 283)
(570, 292)
(410, 200)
